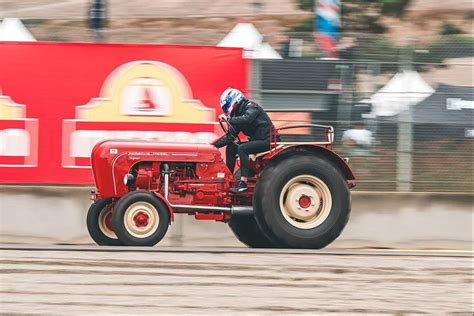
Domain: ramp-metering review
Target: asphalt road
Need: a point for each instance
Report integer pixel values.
(93, 280)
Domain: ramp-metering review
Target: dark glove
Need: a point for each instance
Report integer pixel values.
(223, 141)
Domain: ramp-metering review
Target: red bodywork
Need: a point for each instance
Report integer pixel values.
(198, 175)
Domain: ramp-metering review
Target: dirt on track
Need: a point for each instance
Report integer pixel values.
(90, 282)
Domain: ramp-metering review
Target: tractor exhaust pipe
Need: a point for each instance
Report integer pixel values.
(234, 210)
(241, 211)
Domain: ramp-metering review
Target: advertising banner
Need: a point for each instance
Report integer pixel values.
(57, 100)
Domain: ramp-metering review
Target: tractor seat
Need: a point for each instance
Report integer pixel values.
(254, 157)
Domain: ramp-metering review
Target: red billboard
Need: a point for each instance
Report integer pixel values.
(59, 99)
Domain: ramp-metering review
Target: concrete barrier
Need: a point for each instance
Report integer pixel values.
(50, 214)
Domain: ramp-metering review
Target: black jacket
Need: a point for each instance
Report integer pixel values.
(250, 119)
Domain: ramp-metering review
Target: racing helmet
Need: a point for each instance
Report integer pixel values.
(230, 98)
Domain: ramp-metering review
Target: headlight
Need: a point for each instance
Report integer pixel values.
(128, 178)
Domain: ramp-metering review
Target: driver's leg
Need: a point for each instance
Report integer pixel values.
(230, 156)
(252, 147)
(244, 150)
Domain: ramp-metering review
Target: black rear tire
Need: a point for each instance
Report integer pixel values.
(247, 231)
(329, 201)
(140, 219)
(99, 231)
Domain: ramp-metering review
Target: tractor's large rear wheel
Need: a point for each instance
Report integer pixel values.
(140, 219)
(305, 202)
(247, 231)
(99, 223)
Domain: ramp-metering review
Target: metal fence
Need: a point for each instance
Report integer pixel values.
(425, 143)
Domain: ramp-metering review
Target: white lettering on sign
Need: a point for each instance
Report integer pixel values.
(469, 132)
(82, 141)
(459, 104)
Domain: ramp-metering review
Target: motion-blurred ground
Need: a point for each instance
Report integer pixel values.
(65, 282)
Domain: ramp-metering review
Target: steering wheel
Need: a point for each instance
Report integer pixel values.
(229, 130)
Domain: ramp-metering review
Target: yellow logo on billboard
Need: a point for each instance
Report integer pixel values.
(9, 110)
(145, 91)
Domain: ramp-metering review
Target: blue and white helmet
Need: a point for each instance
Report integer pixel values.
(230, 98)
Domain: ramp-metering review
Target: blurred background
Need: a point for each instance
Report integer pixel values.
(394, 77)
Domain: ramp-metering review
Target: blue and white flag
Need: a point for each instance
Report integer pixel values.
(328, 25)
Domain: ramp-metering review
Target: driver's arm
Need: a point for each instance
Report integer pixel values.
(247, 118)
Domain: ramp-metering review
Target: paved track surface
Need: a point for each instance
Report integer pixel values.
(93, 280)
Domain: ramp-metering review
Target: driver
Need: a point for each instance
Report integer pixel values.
(248, 117)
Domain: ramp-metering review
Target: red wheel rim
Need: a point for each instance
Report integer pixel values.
(141, 219)
(108, 221)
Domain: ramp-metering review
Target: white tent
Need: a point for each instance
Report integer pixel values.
(12, 29)
(405, 89)
(246, 36)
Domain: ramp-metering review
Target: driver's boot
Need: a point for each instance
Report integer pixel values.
(240, 187)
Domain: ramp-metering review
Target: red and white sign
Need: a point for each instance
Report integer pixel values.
(18, 135)
(146, 96)
(69, 96)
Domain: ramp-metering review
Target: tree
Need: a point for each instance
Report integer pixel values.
(450, 29)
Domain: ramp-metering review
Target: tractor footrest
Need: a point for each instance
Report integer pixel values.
(209, 216)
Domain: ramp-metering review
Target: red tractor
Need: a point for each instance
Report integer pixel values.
(298, 198)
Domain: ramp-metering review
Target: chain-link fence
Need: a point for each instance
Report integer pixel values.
(403, 114)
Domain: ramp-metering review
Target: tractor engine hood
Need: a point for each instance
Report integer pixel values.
(112, 159)
(111, 149)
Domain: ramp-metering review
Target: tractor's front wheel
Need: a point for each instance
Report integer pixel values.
(305, 202)
(140, 219)
(99, 223)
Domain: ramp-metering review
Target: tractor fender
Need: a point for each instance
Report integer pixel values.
(168, 205)
(333, 157)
